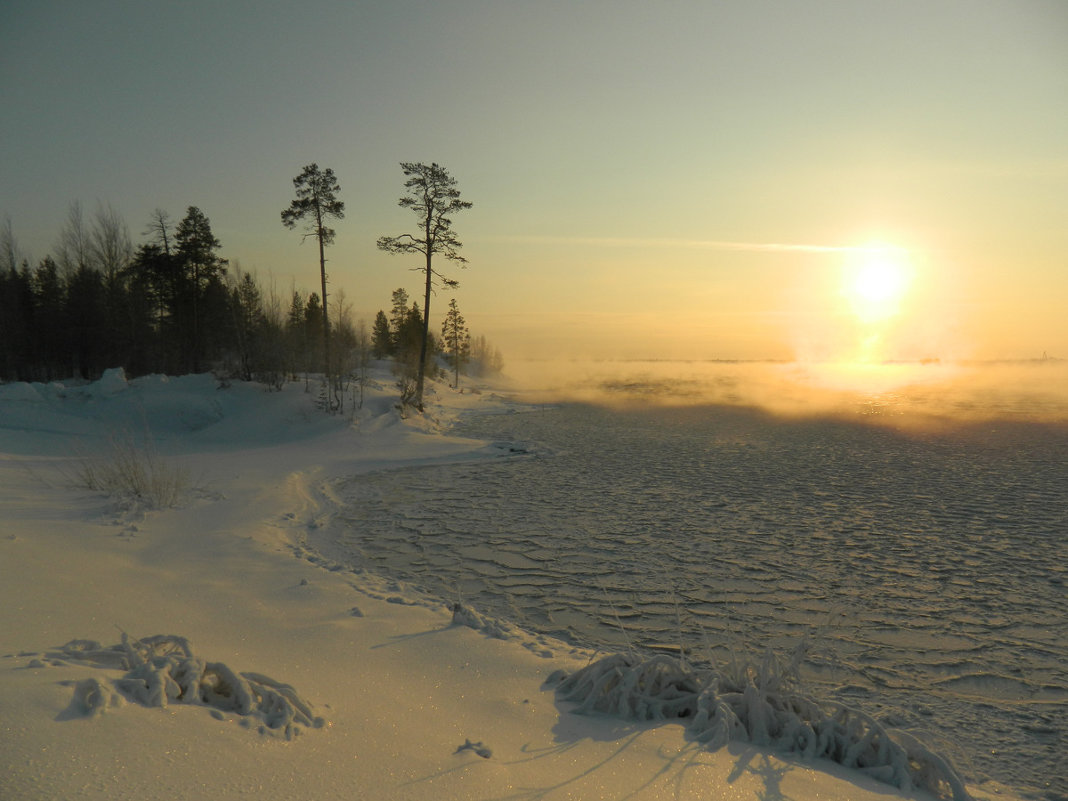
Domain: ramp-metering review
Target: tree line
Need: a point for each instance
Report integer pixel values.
(172, 304)
(399, 336)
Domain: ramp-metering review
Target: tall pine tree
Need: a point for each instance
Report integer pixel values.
(315, 204)
(433, 198)
(202, 270)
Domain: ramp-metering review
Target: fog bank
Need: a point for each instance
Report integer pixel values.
(894, 393)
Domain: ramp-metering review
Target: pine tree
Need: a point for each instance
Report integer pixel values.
(154, 276)
(141, 352)
(381, 337)
(86, 321)
(201, 271)
(16, 321)
(408, 360)
(433, 197)
(49, 322)
(317, 202)
(313, 322)
(295, 335)
(247, 308)
(398, 320)
(456, 340)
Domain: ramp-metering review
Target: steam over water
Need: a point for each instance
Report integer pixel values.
(927, 564)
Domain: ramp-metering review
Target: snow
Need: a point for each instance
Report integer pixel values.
(207, 651)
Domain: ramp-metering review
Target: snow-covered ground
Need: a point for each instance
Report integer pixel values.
(207, 651)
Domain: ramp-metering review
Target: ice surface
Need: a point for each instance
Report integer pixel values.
(927, 567)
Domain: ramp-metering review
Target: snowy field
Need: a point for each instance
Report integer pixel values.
(304, 586)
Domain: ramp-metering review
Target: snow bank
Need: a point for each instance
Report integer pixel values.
(20, 391)
(112, 382)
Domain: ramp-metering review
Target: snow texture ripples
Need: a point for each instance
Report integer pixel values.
(927, 569)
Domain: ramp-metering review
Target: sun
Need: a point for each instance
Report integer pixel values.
(876, 281)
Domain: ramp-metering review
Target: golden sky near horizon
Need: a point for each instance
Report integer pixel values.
(683, 179)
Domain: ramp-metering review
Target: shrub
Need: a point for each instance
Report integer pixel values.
(758, 703)
(130, 470)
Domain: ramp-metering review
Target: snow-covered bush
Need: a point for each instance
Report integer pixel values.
(163, 669)
(760, 704)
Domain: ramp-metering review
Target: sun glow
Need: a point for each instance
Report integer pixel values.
(876, 281)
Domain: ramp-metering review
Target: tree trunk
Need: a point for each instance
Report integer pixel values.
(196, 321)
(326, 314)
(426, 332)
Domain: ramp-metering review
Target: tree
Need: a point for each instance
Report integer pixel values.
(485, 358)
(398, 319)
(313, 321)
(111, 252)
(456, 340)
(381, 339)
(202, 269)
(16, 308)
(295, 335)
(159, 229)
(409, 363)
(157, 272)
(10, 252)
(433, 198)
(363, 349)
(197, 245)
(87, 322)
(109, 243)
(139, 349)
(16, 320)
(272, 356)
(49, 323)
(344, 337)
(73, 245)
(408, 337)
(249, 320)
(317, 202)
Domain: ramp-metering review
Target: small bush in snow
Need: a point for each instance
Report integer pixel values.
(128, 470)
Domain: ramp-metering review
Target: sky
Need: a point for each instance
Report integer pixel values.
(698, 180)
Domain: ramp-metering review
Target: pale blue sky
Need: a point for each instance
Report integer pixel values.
(607, 147)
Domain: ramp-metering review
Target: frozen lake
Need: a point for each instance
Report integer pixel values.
(928, 567)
